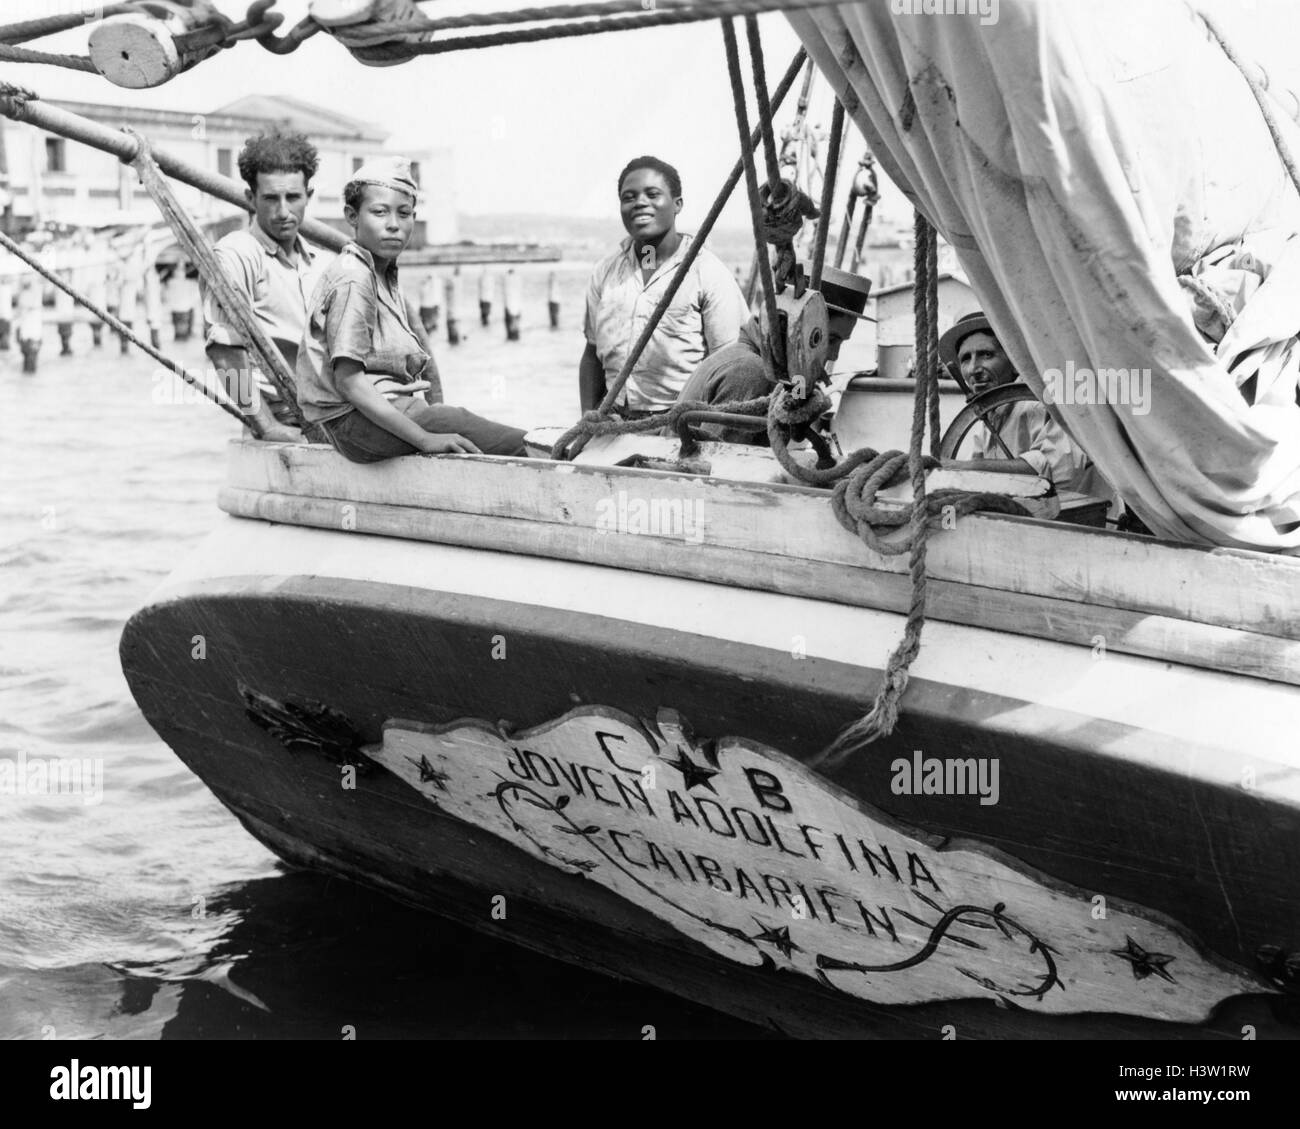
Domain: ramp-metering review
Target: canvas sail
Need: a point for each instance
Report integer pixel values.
(1080, 157)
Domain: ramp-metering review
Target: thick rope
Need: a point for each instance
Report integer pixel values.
(11, 54)
(760, 98)
(828, 193)
(563, 448)
(201, 253)
(14, 99)
(222, 401)
(855, 507)
(599, 17)
(52, 25)
(931, 369)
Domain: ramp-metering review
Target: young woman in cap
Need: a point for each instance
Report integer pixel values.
(361, 364)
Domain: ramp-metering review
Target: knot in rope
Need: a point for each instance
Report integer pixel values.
(857, 508)
(784, 209)
(13, 98)
(1211, 311)
(865, 184)
(788, 411)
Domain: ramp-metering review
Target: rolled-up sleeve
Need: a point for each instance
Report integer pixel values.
(241, 272)
(722, 304)
(590, 318)
(351, 315)
(1051, 452)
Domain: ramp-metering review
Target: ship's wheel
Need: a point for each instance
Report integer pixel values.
(977, 410)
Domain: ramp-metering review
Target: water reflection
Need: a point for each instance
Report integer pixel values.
(306, 956)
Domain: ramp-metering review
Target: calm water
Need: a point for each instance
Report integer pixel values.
(152, 913)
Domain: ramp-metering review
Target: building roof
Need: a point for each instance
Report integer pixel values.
(302, 116)
(245, 115)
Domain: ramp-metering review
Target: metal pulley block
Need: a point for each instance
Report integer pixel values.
(348, 21)
(156, 43)
(805, 329)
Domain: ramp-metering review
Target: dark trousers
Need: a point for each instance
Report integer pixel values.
(361, 440)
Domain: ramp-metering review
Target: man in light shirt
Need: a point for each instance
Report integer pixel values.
(1038, 443)
(706, 313)
(274, 270)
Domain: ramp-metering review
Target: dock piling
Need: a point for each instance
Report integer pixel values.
(553, 299)
(513, 292)
(453, 308)
(484, 299)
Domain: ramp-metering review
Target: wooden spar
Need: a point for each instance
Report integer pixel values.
(124, 148)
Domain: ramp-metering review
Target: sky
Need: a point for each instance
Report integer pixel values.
(543, 127)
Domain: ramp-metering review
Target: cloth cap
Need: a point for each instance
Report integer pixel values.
(387, 172)
(848, 291)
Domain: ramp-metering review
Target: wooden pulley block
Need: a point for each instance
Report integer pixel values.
(144, 50)
(807, 337)
(346, 16)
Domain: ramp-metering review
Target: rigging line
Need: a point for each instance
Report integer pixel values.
(760, 96)
(12, 54)
(1260, 93)
(696, 10)
(225, 404)
(52, 25)
(828, 193)
(256, 340)
(374, 34)
(770, 339)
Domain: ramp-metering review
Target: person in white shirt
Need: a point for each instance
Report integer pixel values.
(706, 313)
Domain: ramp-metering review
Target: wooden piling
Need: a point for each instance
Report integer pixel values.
(453, 308)
(513, 293)
(153, 307)
(64, 312)
(6, 312)
(553, 299)
(97, 292)
(430, 302)
(31, 324)
(484, 298)
(128, 299)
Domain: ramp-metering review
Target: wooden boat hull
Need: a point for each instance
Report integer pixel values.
(1117, 782)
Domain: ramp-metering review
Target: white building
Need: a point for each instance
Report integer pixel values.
(46, 179)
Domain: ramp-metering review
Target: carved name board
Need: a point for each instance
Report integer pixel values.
(763, 861)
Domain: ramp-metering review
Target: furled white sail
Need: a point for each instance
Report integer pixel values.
(1080, 157)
